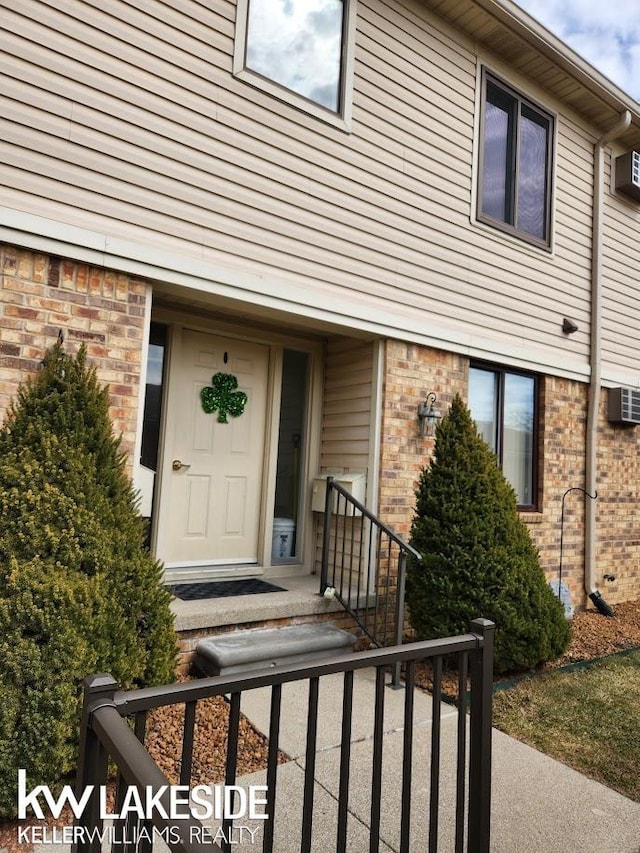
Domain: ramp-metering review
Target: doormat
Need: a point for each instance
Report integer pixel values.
(222, 589)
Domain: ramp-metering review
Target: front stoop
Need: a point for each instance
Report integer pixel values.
(299, 605)
(262, 648)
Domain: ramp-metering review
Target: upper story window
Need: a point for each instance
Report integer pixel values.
(515, 163)
(504, 406)
(299, 51)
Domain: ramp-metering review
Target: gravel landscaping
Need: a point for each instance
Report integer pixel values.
(164, 742)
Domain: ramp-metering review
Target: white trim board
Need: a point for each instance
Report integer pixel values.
(278, 293)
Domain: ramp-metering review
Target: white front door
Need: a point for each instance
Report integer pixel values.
(212, 477)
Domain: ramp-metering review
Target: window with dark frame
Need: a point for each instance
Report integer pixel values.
(156, 358)
(515, 163)
(504, 406)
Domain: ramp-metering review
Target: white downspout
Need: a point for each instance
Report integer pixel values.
(596, 350)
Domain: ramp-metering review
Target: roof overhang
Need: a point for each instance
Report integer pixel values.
(508, 31)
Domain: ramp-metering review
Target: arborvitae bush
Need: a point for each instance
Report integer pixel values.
(478, 557)
(79, 593)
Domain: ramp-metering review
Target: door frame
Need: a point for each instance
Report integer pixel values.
(276, 343)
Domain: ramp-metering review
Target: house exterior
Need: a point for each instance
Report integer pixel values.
(341, 210)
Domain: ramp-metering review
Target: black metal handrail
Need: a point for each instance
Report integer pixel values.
(106, 735)
(364, 563)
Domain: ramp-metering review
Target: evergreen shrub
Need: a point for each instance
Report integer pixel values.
(478, 557)
(79, 593)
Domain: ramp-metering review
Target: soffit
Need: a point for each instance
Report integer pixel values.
(252, 317)
(535, 52)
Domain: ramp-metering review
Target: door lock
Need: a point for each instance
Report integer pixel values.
(177, 465)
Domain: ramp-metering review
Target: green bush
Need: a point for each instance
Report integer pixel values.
(478, 558)
(79, 593)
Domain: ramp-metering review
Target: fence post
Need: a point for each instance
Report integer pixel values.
(326, 536)
(399, 616)
(99, 690)
(481, 671)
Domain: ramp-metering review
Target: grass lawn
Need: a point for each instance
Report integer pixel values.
(588, 719)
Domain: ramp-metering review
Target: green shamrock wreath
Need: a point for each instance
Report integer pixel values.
(222, 396)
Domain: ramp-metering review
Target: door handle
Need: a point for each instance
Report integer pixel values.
(177, 465)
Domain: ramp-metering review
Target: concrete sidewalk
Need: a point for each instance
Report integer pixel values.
(538, 804)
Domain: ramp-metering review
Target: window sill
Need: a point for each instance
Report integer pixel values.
(515, 237)
(341, 122)
(530, 516)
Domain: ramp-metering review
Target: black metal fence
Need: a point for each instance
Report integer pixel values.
(365, 563)
(113, 733)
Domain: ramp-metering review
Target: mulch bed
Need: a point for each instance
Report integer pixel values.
(593, 636)
(164, 742)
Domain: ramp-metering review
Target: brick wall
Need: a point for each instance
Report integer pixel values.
(562, 436)
(618, 509)
(411, 372)
(103, 309)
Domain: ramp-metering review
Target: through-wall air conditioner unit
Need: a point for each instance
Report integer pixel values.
(624, 406)
(628, 174)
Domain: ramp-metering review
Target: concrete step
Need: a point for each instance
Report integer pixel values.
(262, 648)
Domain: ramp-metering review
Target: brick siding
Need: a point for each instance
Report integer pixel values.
(103, 309)
(618, 509)
(411, 372)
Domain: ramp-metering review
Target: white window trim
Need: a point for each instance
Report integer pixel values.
(342, 119)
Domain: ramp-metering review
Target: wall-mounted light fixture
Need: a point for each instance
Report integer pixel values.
(428, 415)
(569, 327)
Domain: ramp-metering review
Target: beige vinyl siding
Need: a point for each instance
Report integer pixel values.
(621, 286)
(347, 414)
(126, 121)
